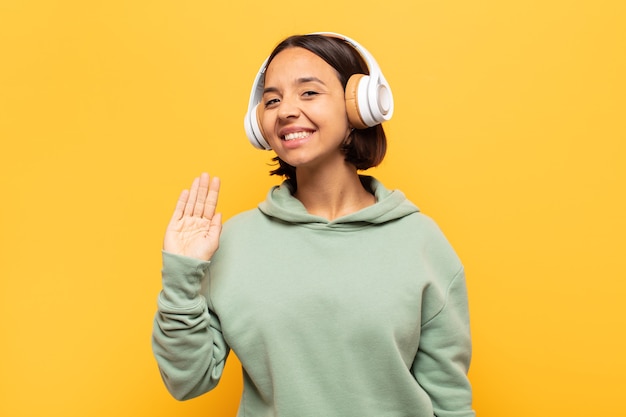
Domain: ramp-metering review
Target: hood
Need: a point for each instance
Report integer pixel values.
(390, 205)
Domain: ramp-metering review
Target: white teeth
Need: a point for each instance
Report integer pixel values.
(297, 135)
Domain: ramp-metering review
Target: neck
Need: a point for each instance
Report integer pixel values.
(333, 193)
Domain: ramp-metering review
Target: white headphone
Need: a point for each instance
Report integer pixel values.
(368, 97)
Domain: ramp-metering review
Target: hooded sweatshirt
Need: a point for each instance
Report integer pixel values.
(364, 315)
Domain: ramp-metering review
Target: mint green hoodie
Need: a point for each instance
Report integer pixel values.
(365, 315)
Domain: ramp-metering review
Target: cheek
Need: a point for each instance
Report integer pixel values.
(339, 109)
(342, 124)
(330, 113)
(267, 122)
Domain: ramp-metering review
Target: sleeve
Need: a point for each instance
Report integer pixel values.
(444, 354)
(187, 340)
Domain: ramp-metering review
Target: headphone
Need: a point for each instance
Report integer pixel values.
(369, 101)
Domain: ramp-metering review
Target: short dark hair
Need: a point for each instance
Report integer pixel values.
(364, 148)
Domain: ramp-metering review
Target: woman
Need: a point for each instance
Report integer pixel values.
(338, 296)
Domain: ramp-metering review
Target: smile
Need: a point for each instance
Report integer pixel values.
(296, 135)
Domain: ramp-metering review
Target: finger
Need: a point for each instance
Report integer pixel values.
(211, 200)
(203, 189)
(180, 206)
(191, 199)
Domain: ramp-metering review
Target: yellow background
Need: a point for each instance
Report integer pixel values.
(509, 130)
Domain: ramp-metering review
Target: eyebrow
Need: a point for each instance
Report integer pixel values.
(302, 80)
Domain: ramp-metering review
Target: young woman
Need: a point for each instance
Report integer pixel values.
(337, 295)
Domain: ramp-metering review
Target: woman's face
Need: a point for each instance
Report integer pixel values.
(303, 111)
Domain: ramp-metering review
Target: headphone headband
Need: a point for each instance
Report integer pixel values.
(368, 97)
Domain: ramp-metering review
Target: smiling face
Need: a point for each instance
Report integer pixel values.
(303, 112)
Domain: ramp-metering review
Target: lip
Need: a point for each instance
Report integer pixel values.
(297, 142)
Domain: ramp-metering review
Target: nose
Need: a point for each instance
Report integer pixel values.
(288, 108)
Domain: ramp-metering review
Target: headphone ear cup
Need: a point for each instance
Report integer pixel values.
(254, 132)
(352, 101)
(258, 113)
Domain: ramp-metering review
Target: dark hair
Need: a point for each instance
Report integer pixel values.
(364, 148)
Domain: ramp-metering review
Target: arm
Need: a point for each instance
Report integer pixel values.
(187, 341)
(444, 354)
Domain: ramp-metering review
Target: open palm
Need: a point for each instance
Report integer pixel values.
(195, 228)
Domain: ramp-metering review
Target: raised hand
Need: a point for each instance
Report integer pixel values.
(195, 228)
